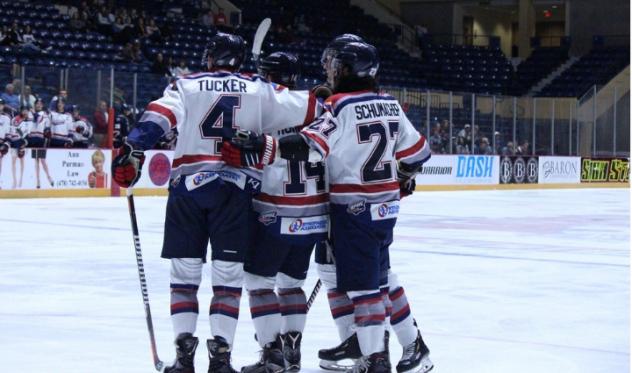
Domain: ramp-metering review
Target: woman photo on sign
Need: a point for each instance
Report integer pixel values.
(98, 178)
(38, 138)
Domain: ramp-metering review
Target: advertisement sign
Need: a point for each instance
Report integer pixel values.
(605, 170)
(156, 169)
(459, 169)
(437, 171)
(518, 170)
(56, 169)
(476, 169)
(559, 170)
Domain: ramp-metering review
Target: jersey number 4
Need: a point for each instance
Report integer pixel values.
(375, 169)
(219, 123)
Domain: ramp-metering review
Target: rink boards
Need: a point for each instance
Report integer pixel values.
(86, 173)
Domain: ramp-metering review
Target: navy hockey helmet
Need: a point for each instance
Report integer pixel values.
(226, 50)
(360, 58)
(335, 45)
(282, 67)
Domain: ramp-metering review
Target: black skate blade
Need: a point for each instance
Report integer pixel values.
(336, 366)
(425, 366)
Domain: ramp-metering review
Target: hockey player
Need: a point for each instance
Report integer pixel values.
(207, 198)
(61, 126)
(18, 130)
(81, 131)
(122, 125)
(38, 138)
(291, 216)
(414, 350)
(364, 188)
(5, 123)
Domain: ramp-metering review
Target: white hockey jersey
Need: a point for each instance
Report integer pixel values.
(61, 125)
(20, 127)
(291, 190)
(207, 108)
(40, 124)
(82, 125)
(5, 124)
(362, 136)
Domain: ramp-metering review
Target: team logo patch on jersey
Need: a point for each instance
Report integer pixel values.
(268, 218)
(201, 178)
(303, 226)
(387, 210)
(356, 208)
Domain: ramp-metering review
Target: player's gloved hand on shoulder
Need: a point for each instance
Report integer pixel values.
(247, 149)
(127, 165)
(406, 177)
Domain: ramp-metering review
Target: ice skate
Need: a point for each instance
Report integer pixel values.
(415, 357)
(219, 356)
(292, 351)
(374, 363)
(185, 354)
(330, 359)
(271, 360)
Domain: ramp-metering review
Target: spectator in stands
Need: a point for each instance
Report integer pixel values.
(207, 19)
(28, 41)
(445, 135)
(10, 98)
(508, 150)
(100, 129)
(105, 20)
(120, 32)
(466, 133)
(78, 21)
(220, 21)
(436, 142)
(160, 66)
(462, 147)
(181, 69)
(499, 142)
(523, 149)
(483, 147)
(63, 94)
(28, 100)
(152, 31)
(11, 35)
(139, 27)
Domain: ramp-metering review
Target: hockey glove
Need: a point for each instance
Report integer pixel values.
(48, 133)
(127, 165)
(4, 148)
(406, 177)
(247, 149)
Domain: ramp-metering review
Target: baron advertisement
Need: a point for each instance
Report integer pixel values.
(609, 170)
(55, 169)
(559, 170)
(518, 170)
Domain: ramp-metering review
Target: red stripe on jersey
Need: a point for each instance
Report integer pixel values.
(163, 111)
(295, 201)
(311, 109)
(333, 100)
(187, 159)
(412, 150)
(357, 188)
(319, 141)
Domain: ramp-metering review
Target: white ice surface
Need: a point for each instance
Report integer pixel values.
(500, 281)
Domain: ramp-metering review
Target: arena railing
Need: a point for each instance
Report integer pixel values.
(594, 125)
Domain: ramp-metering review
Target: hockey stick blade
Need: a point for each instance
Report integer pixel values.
(158, 364)
(257, 42)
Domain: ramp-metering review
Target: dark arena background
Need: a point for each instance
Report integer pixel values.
(514, 249)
